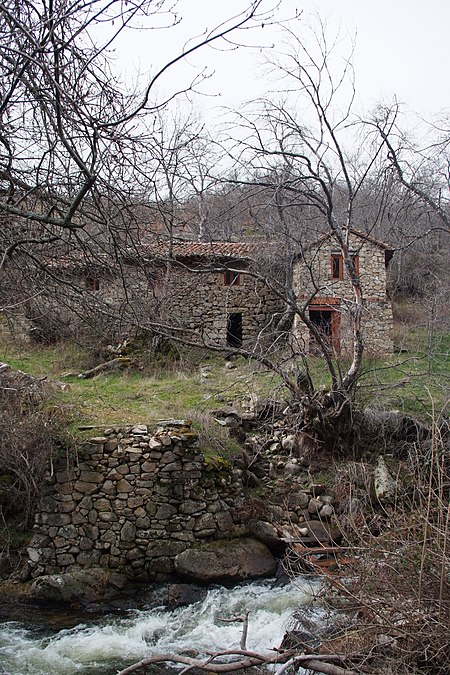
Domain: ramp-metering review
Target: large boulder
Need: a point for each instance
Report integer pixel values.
(226, 561)
(93, 585)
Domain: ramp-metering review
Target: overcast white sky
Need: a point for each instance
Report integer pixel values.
(402, 49)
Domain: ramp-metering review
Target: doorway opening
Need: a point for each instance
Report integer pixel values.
(234, 329)
(327, 322)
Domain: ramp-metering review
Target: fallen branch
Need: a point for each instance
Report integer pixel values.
(243, 619)
(114, 364)
(317, 663)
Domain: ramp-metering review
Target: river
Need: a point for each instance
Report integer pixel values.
(102, 644)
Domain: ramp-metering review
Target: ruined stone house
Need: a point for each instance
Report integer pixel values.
(200, 292)
(320, 280)
(211, 290)
(205, 287)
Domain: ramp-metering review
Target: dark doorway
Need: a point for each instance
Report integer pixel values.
(327, 322)
(234, 329)
(321, 318)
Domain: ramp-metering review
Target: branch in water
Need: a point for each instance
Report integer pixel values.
(317, 663)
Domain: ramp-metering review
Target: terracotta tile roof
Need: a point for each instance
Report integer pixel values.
(210, 249)
(377, 242)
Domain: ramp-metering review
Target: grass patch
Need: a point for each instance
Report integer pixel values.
(414, 381)
(134, 396)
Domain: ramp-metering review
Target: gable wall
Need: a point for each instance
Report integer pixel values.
(377, 316)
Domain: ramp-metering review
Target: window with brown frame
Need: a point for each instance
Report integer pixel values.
(336, 266)
(92, 283)
(231, 278)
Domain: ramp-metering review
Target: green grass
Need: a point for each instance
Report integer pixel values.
(132, 397)
(416, 381)
(413, 381)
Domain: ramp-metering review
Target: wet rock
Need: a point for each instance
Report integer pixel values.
(230, 561)
(82, 585)
(181, 595)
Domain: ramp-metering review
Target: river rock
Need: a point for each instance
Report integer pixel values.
(181, 595)
(91, 585)
(322, 533)
(230, 561)
(384, 483)
(266, 533)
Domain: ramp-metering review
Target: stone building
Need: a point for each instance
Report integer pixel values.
(213, 293)
(206, 288)
(320, 280)
(202, 292)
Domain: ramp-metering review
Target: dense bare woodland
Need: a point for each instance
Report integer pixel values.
(98, 182)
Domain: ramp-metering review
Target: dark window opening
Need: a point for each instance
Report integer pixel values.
(321, 318)
(355, 261)
(234, 330)
(92, 283)
(231, 278)
(336, 266)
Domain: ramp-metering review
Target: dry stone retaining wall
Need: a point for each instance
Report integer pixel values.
(132, 503)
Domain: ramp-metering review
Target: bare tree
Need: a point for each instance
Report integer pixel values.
(303, 146)
(174, 174)
(423, 171)
(69, 125)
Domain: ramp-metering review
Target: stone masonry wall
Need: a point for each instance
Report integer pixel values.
(182, 297)
(132, 502)
(377, 319)
(197, 300)
(202, 302)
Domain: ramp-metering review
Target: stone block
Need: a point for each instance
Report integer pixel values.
(86, 487)
(165, 511)
(123, 486)
(134, 502)
(107, 517)
(102, 504)
(88, 558)
(164, 547)
(190, 506)
(65, 559)
(128, 532)
(205, 522)
(56, 519)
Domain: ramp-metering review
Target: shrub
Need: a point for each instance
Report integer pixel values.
(401, 579)
(32, 429)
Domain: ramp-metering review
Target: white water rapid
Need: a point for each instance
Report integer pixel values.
(112, 642)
